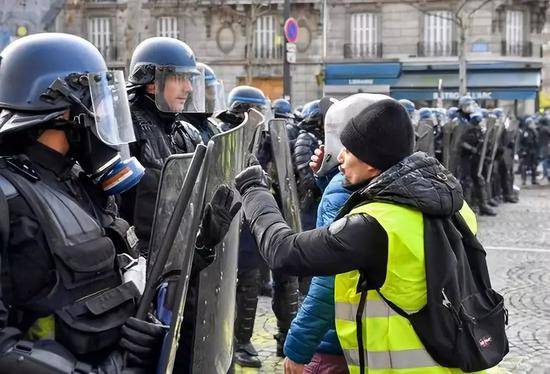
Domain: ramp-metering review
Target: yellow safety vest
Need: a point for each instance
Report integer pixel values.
(389, 341)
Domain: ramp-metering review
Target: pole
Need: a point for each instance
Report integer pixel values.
(286, 66)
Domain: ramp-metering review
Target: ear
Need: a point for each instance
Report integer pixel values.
(373, 171)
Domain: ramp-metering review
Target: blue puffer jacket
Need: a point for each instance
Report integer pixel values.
(313, 328)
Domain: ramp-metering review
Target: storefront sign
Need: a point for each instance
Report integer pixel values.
(476, 95)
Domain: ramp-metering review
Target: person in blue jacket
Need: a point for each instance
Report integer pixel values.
(312, 344)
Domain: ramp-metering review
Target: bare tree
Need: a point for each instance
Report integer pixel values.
(461, 16)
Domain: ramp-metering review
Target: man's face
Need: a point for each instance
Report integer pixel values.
(177, 89)
(355, 171)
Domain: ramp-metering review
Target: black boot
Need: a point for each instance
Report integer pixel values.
(247, 302)
(486, 210)
(280, 339)
(285, 305)
(247, 356)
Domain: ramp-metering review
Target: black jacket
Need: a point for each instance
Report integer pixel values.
(352, 242)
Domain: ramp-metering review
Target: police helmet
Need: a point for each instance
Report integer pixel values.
(242, 98)
(498, 112)
(214, 90)
(408, 105)
(467, 104)
(166, 62)
(451, 112)
(282, 109)
(425, 113)
(44, 77)
(311, 111)
(476, 117)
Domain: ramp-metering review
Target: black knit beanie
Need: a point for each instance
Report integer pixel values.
(381, 135)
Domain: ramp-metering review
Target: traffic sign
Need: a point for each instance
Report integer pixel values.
(291, 30)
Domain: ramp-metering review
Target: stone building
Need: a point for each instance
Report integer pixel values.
(22, 17)
(404, 49)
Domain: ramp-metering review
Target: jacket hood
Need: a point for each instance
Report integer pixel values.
(418, 181)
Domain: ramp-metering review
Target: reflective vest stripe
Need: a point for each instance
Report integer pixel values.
(377, 360)
(373, 309)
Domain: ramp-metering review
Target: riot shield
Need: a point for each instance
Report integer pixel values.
(180, 258)
(253, 131)
(481, 166)
(458, 129)
(425, 141)
(288, 191)
(213, 336)
(447, 129)
(497, 130)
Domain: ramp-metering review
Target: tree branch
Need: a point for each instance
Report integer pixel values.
(479, 7)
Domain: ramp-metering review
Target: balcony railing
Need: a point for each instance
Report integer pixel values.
(524, 49)
(367, 50)
(268, 52)
(425, 49)
(109, 53)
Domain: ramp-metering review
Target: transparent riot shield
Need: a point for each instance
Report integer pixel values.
(485, 147)
(253, 131)
(458, 129)
(213, 336)
(497, 130)
(288, 191)
(180, 260)
(447, 129)
(425, 141)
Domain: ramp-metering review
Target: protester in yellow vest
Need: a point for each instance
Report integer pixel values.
(376, 244)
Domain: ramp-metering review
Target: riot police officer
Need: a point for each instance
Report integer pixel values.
(528, 150)
(285, 288)
(470, 143)
(282, 109)
(424, 131)
(214, 102)
(309, 138)
(165, 81)
(64, 118)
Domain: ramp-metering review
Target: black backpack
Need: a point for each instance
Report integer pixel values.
(463, 323)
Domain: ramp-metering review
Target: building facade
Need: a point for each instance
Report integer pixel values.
(404, 49)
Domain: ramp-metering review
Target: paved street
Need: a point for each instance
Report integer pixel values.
(518, 246)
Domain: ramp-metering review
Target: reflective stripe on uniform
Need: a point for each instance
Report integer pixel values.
(392, 359)
(373, 309)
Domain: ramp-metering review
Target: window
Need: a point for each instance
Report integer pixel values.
(99, 31)
(168, 27)
(514, 33)
(438, 29)
(364, 35)
(267, 42)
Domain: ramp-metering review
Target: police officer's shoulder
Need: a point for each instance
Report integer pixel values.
(7, 188)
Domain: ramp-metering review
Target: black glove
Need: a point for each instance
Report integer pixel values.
(252, 176)
(142, 342)
(217, 217)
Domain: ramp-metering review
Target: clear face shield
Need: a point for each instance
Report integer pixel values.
(113, 122)
(105, 162)
(214, 97)
(180, 89)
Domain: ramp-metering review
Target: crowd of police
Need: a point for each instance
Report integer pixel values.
(82, 153)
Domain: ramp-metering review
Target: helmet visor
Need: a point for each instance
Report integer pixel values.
(179, 89)
(214, 97)
(113, 122)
